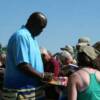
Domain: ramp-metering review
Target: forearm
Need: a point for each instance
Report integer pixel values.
(28, 70)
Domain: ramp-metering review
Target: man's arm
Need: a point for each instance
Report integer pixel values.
(28, 70)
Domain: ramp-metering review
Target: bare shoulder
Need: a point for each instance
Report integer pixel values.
(74, 78)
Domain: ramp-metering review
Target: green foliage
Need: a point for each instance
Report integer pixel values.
(3, 49)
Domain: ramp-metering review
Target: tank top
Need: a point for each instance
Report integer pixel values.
(92, 92)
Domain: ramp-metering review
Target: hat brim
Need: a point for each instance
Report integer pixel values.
(82, 44)
(63, 48)
(91, 52)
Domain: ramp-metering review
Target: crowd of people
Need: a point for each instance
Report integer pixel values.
(26, 68)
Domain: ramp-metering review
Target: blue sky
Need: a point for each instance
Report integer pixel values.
(68, 20)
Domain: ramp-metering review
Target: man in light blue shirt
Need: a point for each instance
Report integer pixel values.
(24, 67)
(24, 50)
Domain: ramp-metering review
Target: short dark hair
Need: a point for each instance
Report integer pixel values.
(37, 18)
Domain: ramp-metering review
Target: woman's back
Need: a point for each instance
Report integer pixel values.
(85, 83)
(89, 84)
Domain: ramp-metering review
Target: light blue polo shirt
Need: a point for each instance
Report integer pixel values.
(22, 47)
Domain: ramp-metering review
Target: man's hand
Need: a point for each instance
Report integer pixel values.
(47, 76)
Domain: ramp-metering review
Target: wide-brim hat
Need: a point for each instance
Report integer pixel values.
(68, 48)
(91, 52)
(83, 41)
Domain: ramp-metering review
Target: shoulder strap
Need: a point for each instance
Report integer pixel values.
(85, 70)
(80, 77)
(82, 82)
(88, 72)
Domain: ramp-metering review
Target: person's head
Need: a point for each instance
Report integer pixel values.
(83, 41)
(36, 23)
(66, 57)
(46, 56)
(97, 45)
(69, 49)
(86, 56)
(2, 58)
(83, 60)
